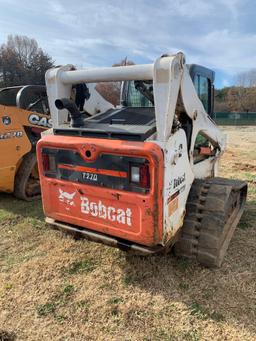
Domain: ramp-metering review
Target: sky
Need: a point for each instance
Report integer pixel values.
(219, 34)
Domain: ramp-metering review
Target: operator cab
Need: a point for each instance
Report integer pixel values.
(28, 97)
(203, 78)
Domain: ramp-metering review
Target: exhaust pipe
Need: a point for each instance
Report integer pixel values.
(76, 117)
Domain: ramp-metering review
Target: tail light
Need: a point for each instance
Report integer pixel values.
(49, 163)
(139, 175)
(144, 176)
(46, 162)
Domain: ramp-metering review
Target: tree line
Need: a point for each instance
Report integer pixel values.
(238, 98)
(235, 99)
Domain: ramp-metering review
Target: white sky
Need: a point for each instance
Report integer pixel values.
(220, 34)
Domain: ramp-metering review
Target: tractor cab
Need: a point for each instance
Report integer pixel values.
(140, 94)
(28, 97)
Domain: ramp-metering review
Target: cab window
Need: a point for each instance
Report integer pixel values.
(8, 96)
(203, 148)
(135, 98)
(202, 85)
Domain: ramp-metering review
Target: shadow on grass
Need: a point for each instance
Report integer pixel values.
(248, 219)
(22, 208)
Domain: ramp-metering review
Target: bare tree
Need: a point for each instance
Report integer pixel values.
(22, 62)
(111, 90)
(246, 78)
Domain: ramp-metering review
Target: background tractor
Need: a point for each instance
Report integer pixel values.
(24, 114)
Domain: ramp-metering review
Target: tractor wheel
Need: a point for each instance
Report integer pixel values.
(27, 185)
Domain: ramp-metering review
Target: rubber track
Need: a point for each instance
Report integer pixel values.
(22, 176)
(214, 209)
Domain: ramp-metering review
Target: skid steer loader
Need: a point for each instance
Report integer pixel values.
(141, 177)
(24, 114)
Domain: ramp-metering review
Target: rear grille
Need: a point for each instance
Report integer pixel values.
(134, 124)
(129, 116)
(132, 117)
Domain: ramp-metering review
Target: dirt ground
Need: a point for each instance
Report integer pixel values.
(53, 287)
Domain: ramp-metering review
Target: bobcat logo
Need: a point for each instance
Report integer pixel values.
(99, 210)
(66, 197)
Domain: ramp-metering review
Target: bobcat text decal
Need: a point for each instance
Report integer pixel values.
(98, 209)
(179, 180)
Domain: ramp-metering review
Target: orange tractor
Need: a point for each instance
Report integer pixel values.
(24, 114)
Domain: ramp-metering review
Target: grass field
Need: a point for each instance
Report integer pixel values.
(53, 287)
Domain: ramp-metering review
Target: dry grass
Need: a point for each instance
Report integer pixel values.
(55, 288)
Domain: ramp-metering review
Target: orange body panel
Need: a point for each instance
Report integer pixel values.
(136, 217)
(13, 149)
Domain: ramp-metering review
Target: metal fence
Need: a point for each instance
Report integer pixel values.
(235, 118)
